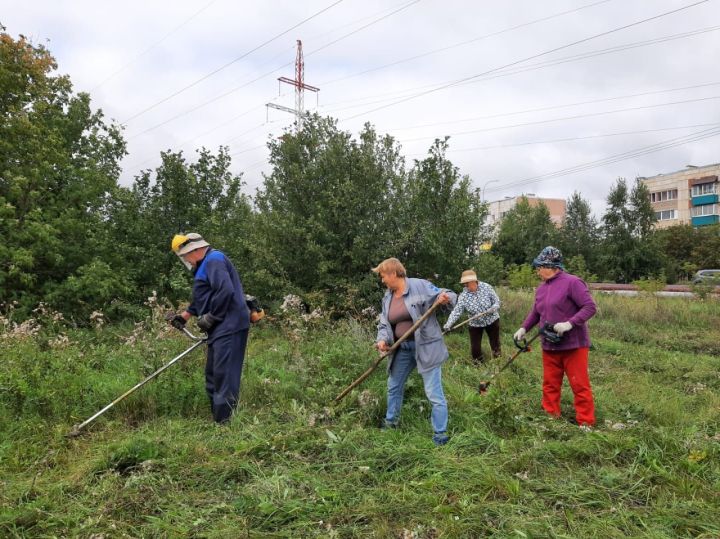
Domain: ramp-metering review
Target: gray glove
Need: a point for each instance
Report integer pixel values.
(519, 334)
(562, 327)
(206, 322)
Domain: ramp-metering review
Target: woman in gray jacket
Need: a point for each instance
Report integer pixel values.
(405, 302)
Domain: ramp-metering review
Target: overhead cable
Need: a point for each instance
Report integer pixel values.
(522, 60)
(408, 92)
(248, 83)
(663, 145)
(228, 64)
(564, 118)
(462, 43)
(152, 46)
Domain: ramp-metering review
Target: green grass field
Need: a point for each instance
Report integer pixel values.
(292, 465)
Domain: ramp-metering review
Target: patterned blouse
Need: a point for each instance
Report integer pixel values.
(475, 303)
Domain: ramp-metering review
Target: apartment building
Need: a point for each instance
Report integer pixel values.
(688, 196)
(498, 208)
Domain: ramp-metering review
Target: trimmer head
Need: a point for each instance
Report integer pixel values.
(75, 432)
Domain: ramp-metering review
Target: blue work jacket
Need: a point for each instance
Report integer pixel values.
(217, 290)
(419, 296)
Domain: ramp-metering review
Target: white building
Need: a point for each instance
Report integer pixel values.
(688, 196)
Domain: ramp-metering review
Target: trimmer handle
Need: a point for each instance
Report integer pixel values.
(522, 344)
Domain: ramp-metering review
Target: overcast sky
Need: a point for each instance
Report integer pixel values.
(181, 75)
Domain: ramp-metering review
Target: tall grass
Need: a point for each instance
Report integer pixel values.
(291, 464)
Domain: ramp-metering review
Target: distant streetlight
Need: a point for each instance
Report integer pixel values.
(482, 193)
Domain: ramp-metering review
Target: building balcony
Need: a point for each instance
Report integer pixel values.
(703, 220)
(704, 199)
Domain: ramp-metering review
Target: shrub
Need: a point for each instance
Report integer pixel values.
(521, 276)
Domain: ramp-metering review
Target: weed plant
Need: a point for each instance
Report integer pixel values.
(292, 464)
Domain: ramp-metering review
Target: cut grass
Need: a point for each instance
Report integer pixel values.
(292, 465)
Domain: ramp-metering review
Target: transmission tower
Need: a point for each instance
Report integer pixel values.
(300, 87)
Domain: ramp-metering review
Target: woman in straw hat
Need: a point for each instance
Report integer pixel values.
(476, 298)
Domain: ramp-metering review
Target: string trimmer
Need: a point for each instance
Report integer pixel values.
(474, 317)
(523, 345)
(76, 430)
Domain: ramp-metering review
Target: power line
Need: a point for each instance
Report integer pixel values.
(532, 67)
(574, 117)
(664, 145)
(554, 107)
(152, 46)
(234, 60)
(549, 51)
(572, 139)
(236, 88)
(401, 8)
(593, 53)
(462, 43)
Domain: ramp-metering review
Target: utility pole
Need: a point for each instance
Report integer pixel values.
(300, 87)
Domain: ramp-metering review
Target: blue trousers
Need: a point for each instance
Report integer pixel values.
(223, 369)
(402, 366)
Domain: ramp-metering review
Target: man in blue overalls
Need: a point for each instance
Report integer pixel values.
(218, 301)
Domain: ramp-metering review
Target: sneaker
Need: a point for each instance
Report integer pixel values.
(440, 438)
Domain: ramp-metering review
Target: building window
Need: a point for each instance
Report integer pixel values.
(662, 196)
(705, 209)
(703, 189)
(666, 215)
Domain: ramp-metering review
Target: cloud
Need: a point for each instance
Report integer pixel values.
(92, 41)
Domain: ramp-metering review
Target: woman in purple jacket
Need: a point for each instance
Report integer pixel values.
(563, 301)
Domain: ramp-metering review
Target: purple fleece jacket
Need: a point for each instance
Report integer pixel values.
(563, 298)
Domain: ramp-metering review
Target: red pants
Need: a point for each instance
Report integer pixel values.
(574, 363)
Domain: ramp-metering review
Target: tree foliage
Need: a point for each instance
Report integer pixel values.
(629, 249)
(579, 233)
(333, 207)
(178, 196)
(59, 164)
(523, 232)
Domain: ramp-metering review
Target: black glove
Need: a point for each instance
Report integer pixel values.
(206, 322)
(176, 320)
(253, 303)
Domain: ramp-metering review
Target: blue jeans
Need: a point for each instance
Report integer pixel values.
(402, 366)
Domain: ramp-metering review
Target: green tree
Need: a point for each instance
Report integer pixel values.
(630, 249)
(523, 232)
(706, 250)
(179, 196)
(58, 169)
(489, 268)
(676, 244)
(332, 207)
(579, 234)
(443, 217)
(576, 265)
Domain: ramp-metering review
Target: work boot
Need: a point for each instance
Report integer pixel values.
(440, 438)
(387, 425)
